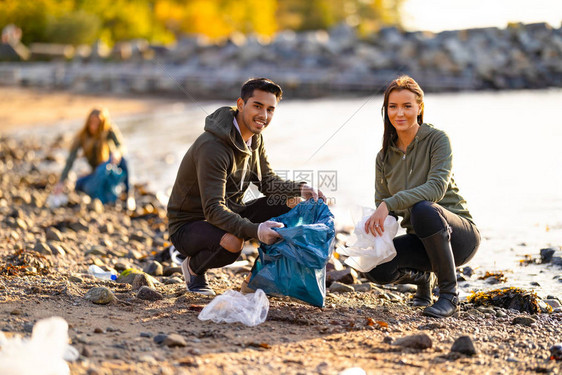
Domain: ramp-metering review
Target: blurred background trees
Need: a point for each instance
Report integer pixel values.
(162, 21)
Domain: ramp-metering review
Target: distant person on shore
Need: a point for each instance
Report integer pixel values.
(414, 180)
(101, 144)
(208, 217)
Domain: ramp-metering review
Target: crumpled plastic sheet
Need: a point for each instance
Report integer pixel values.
(366, 251)
(45, 353)
(234, 307)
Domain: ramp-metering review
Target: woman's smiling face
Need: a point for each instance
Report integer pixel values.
(403, 110)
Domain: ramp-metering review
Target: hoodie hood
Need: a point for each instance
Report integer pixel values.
(221, 124)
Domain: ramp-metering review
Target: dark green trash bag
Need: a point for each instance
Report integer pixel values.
(296, 265)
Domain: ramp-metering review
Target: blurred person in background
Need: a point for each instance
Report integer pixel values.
(101, 144)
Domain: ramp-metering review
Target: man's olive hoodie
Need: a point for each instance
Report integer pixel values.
(423, 173)
(215, 173)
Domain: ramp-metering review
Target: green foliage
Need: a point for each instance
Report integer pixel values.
(74, 28)
(83, 21)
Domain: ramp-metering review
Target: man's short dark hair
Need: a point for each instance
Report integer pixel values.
(263, 84)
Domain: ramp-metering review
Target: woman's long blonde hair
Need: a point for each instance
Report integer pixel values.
(95, 145)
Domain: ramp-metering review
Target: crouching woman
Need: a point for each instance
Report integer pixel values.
(414, 180)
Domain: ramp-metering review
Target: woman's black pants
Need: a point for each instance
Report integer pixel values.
(428, 218)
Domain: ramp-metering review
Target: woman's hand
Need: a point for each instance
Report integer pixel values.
(375, 224)
(115, 157)
(59, 187)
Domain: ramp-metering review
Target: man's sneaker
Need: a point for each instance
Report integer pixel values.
(195, 283)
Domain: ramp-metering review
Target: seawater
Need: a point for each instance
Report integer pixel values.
(507, 163)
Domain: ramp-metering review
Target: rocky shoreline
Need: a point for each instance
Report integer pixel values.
(306, 64)
(146, 322)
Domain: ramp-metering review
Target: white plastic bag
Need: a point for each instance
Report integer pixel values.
(366, 251)
(44, 354)
(56, 200)
(232, 306)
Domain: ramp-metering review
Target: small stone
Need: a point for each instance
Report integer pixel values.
(75, 279)
(523, 320)
(141, 280)
(546, 254)
(53, 234)
(387, 340)
(107, 228)
(100, 295)
(174, 340)
(346, 276)
(362, 287)
(96, 206)
(43, 248)
(87, 352)
(98, 330)
(554, 303)
(28, 327)
(96, 250)
(16, 312)
(146, 334)
(56, 249)
(464, 345)
(154, 268)
(556, 352)
(79, 225)
(159, 339)
(169, 271)
(148, 294)
(173, 280)
(338, 287)
(406, 288)
(421, 341)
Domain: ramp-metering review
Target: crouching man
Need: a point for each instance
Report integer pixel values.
(208, 220)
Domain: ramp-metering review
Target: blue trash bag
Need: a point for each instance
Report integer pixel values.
(296, 265)
(102, 184)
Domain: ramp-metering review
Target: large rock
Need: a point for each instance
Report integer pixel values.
(141, 280)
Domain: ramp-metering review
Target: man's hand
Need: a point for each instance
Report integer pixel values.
(375, 224)
(308, 192)
(268, 235)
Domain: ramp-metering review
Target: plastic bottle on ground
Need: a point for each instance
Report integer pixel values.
(101, 274)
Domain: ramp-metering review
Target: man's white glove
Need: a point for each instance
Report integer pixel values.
(268, 235)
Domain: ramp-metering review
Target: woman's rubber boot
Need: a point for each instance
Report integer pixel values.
(425, 282)
(438, 248)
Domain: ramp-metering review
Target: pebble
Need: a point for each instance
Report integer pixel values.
(154, 268)
(141, 280)
(362, 287)
(346, 276)
(174, 340)
(43, 248)
(338, 287)
(554, 303)
(100, 295)
(159, 338)
(523, 320)
(148, 294)
(53, 234)
(146, 334)
(464, 345)
(173, 280)
(420, 341)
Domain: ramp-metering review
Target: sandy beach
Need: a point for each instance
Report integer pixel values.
(26, 108)
(150, 325)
